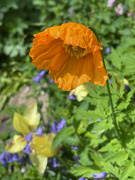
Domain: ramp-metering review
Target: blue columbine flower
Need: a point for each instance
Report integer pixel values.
(99, 175)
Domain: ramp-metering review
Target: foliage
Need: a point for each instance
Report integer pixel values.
(88, 142)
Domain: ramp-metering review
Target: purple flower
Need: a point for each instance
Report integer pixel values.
(110, 3)
(51, 81)
(61, 124)
(76, 158)
(108, 50)
(119, 10)
(15, 157)
(22, 160)
(55, 163)
(72, 12)
(28, 138)
(99, 120)
(39, 76)
(39, 131)
(89, 120)
(27, 149)
(74, 147)
(7, 157)
(36, 79)
(72, 97)
(3, 159)
(111, 81)
(99, 175)
(82, 178)
(56, 128)
(42, 73)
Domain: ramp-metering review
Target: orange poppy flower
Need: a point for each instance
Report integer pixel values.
(71, 53)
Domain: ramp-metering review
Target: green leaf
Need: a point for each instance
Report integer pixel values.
(119, 156)
(84, 171)
(127, 170)
(62, 135)
(113, 146)
(113, 169)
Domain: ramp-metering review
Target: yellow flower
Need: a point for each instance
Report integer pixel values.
(71, 53)
(42, 149)
(23, 124)
(41, 146)
(80, 92)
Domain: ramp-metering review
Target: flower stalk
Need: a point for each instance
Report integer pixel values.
(109, 93)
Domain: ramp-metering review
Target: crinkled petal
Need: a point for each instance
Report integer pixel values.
(100, 76)
(39, 161)
(32, 116)
(97, 59)
(17, 145)
(74, 73)
(71, 52)
(51, 57)
(75, 34)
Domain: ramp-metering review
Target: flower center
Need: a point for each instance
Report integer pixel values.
(76, 51)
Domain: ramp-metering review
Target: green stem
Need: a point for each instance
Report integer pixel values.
(108, 89)
(111, 103)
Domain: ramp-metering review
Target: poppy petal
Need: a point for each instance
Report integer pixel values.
(76, 35)
(97, 59)
(74, 72)
(100, 76)
(52, 57)
(71, 52)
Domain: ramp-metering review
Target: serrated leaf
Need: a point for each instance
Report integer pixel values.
(127, 170)
(118, 156)
(84, 171)
(63, 134)
(112, 169)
